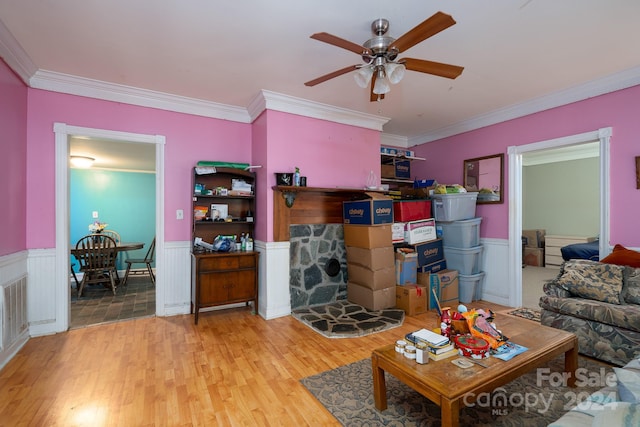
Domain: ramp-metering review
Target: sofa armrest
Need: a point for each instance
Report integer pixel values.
(551, 288)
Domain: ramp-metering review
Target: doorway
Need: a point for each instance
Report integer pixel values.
(515, 196)
(63, 135)
(116, 190)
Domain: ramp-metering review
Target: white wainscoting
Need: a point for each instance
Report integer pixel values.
(174, 288)
(14, 331)
(43, 300)
(274, 298)
(495, 261)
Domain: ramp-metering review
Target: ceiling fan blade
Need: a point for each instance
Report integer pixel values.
(375, 97)
(331, 75)
(430, 67)
(431, 26)
(337, 41)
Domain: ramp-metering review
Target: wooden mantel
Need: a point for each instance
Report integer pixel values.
(308, 205)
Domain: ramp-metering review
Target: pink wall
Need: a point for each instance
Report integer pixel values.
(188, 139)
(329, 154)
(617, 110)
(13, 161)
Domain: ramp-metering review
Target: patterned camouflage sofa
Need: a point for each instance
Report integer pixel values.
(616, 404)
(598, 302)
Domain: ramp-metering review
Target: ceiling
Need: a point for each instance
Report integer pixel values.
(520, 56)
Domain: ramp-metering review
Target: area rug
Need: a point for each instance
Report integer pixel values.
(343, 319)
(527, 313)
(347, 392)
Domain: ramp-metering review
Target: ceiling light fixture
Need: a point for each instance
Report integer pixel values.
(381, 61)
(83, 162)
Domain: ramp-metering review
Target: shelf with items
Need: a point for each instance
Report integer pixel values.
(223, 205)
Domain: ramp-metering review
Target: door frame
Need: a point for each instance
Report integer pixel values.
(515, 154)
(63, 133)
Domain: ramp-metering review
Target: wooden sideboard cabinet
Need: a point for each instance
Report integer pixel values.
(223, 205)
(224, 278)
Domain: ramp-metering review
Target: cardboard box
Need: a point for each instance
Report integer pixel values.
(447, 283)
(402, 169)
(364, 236)
(372, 279)
(534, 257)
(412, 299)
(387, 171)
(372, 299)
(420, 231)
(424, 280)
(434, 267)
(411, 210)
(377, 209)
(429, 252)
(373, 259)
(535, 238)
(406, 268)
(397, 232)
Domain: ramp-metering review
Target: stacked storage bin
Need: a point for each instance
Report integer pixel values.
(460, 231)
(370, 258)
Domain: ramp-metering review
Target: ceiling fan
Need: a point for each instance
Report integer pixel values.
(380, 55)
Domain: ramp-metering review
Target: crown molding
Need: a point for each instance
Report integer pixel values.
(302, 107)
(394, 140)
(15, 56)
(73, 85)
(611, 83)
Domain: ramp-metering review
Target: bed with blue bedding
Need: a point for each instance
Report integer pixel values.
(590, 251)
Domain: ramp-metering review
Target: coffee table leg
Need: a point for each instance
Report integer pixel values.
(571, 363)
(379, 385)
(450, 412)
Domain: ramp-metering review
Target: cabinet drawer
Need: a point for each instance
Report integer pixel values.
(219, 263)
(553, 250)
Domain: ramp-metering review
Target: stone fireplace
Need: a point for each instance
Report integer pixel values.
(318, 268)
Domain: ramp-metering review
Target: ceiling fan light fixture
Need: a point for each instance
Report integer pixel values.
(381, 86)
(394, 72)
(363, 76)
(83, 162)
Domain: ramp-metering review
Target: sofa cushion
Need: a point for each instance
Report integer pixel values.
(618, 414)
(631, 289)
(623, 256)
(593, 280)
(628, 384)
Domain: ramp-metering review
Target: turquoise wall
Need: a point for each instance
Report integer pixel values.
(124, 200)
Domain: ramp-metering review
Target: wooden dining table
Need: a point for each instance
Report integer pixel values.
(120, 247)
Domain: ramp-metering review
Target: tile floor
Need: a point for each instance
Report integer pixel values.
(99, 305)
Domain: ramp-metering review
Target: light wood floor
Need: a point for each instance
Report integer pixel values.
(233, 368)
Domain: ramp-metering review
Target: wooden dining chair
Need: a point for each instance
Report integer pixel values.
(96, 254)
(147, 261)
(115, 236)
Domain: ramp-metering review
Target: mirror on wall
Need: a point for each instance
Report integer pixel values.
(486, 176)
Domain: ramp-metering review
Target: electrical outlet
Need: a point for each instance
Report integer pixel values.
(95, 214)
(179, 214)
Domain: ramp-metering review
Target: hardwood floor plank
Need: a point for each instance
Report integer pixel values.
(233, 368)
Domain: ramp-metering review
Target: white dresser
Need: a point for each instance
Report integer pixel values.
(553, 243)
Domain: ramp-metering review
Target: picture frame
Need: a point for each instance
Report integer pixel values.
(219, 212)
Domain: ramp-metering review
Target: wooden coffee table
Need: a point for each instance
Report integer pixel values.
(448, 385)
